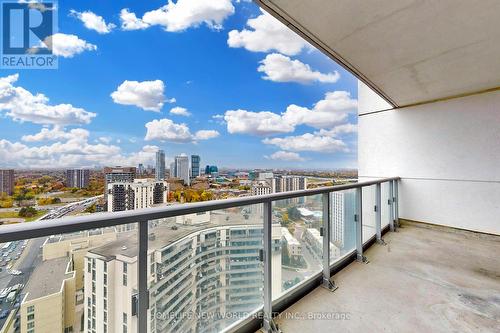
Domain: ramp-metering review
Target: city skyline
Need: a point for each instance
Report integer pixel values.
(218, 94)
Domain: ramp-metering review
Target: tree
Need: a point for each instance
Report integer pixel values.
(27, 212)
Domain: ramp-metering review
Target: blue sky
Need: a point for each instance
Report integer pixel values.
(238, 100)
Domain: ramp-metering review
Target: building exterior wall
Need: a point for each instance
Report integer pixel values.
(447, 154)
(50, 313)
(7, 181)
(214, 270)
(160, 165)
(78, 178)
(137, 195)
(182, 168)
(195, 166)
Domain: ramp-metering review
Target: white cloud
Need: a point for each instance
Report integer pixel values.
(255, 123)
(56, 133)
(340, 129)
(76, 151)
(93, 22)
(72, 150)
(67, 46)
(130, 21)
(180, 111)
(285, 156)
(280, 68)
(148, 95)
(22, 105)
(326, 113)
(181, 15)
(267, 34)
(105, 139)
(166, 130)
(206, 134)
(309, 142)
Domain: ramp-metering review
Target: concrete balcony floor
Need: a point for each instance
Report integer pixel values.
(426, 279)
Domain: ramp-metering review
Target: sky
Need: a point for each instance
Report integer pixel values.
(217, 78)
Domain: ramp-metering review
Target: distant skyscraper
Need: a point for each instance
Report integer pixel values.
(77, 178)
(211, 170)
(172, 170)
(7, 181)
(182, 167)
(117, 174)
(195, 166)
(141, 170)
(160, 165)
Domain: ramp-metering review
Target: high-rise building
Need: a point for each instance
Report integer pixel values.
(142, 193)
(343, 210)
(182, 168)
(7, 181)
(288, 183)
(77, 178)
(195, 166)
(160, 165)
(172, 170)
(117, 174)
(211, 170)
(191, 268)
(261, 189)
(141, 170)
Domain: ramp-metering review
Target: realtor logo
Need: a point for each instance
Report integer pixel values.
(27, 30)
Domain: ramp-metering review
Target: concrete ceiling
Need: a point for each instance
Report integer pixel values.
(409, 51)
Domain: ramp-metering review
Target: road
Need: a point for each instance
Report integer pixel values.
(30, 256)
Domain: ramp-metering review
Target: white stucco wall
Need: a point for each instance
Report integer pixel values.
(447, 154)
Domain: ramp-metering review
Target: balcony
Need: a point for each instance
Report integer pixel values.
(120, 265)
(426, 279)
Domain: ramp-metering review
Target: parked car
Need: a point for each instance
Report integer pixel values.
(4, 314)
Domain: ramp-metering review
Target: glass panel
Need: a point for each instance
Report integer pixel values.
(298, 223)
(343, 227)
(368, 212)
(204, 269)
(385, 206)
(85, 278)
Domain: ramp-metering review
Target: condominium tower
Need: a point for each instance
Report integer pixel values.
(195, 166)
(7, 181)
(77, 178)
(141, 193)
(160, 165)
(117, 174)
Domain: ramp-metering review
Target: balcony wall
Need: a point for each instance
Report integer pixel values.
(447, 154)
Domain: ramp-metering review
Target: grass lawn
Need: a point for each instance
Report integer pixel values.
(29, 219)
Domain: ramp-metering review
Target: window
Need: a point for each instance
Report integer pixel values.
(31, 325)
(124, 322)
(31, 308)
(31, 317)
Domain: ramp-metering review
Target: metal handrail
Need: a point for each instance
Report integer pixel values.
(63, 225)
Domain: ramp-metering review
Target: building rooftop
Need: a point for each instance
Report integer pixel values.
(166, 233)
(47, 278)
(426, 279)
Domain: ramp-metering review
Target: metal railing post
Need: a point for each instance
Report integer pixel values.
(268, 324)
(396, 204)
(378, 213)
(328, 282)
(358, 219)
(390, 202)
(142, 278)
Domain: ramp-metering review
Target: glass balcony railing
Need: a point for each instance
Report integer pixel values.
(205, 267)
